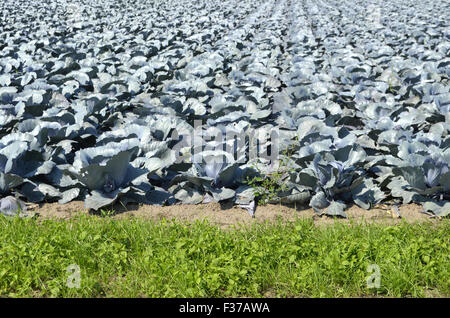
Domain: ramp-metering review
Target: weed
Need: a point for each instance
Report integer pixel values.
(107, 212)
(268, 186)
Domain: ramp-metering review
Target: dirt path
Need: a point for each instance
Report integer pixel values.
(226, 217)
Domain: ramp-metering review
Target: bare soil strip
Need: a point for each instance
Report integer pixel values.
(228, 216)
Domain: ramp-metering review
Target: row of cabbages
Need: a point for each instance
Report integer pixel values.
(95, 100)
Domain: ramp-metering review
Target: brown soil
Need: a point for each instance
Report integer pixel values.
(229, 216)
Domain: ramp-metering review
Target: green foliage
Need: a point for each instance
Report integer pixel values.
(107, 212)
(141, 258)
(267, 187)
(391, 86)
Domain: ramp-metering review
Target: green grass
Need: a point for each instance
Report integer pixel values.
(138, 258)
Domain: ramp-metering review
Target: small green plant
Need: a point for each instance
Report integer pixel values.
(391, 88)
(107, 212)
(267, 187)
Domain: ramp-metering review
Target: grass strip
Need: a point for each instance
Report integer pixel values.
(143, 258)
